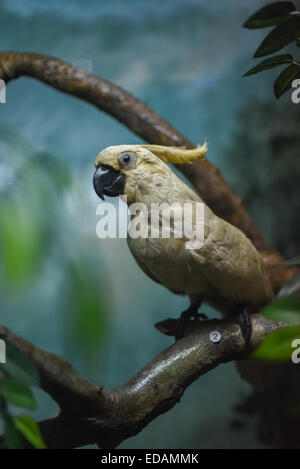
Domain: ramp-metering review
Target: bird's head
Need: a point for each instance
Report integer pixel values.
(128, 169)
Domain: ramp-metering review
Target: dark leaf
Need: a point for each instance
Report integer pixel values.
(31, 431)
(270, 63)
(18, 394)
(12, 435)
(278, 344)
(270, 15)
(280, 37)
(285, 79)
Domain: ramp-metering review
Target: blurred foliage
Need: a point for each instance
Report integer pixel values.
(22, 242)
(31, 185)
(279, 345)
(19, 367)
(18, 394)
(16, 377)
(30, 430)
(38, 228)
(284, 310)
(286, 19)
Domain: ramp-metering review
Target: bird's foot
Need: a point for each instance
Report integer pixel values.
(191, 312)
(244, 320)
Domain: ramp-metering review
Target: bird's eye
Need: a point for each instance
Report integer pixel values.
(127, 160)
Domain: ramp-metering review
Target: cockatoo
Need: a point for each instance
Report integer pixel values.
(224, 270)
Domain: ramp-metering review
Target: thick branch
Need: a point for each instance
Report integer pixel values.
(152, 128)
(58, 378)
(109, 417)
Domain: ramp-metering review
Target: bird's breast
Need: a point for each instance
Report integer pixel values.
(169, 263)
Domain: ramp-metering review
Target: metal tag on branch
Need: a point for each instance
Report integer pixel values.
(215, 337)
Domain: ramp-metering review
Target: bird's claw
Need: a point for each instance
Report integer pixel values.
(202, 316)
(191, 312)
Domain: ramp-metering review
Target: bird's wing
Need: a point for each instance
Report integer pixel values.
(232, 265)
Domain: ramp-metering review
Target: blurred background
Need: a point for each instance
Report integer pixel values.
(84, 298)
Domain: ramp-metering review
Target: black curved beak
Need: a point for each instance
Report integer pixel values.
(108, 181)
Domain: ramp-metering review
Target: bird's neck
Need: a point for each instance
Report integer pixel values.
(160, 191)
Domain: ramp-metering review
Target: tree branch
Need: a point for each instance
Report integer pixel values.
(90, 415)
(152, 128)
(58, 378)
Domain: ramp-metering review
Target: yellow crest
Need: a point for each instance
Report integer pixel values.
(177, 155)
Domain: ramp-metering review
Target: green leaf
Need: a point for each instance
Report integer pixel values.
(270, 15)
(12, 435)
(18, 394)
(278, 344)
(293, 261)
(31, 431)
(280, 37)
(19, 366)
(284, 82)
(270, 63)
(284, 310)
(21, 241)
